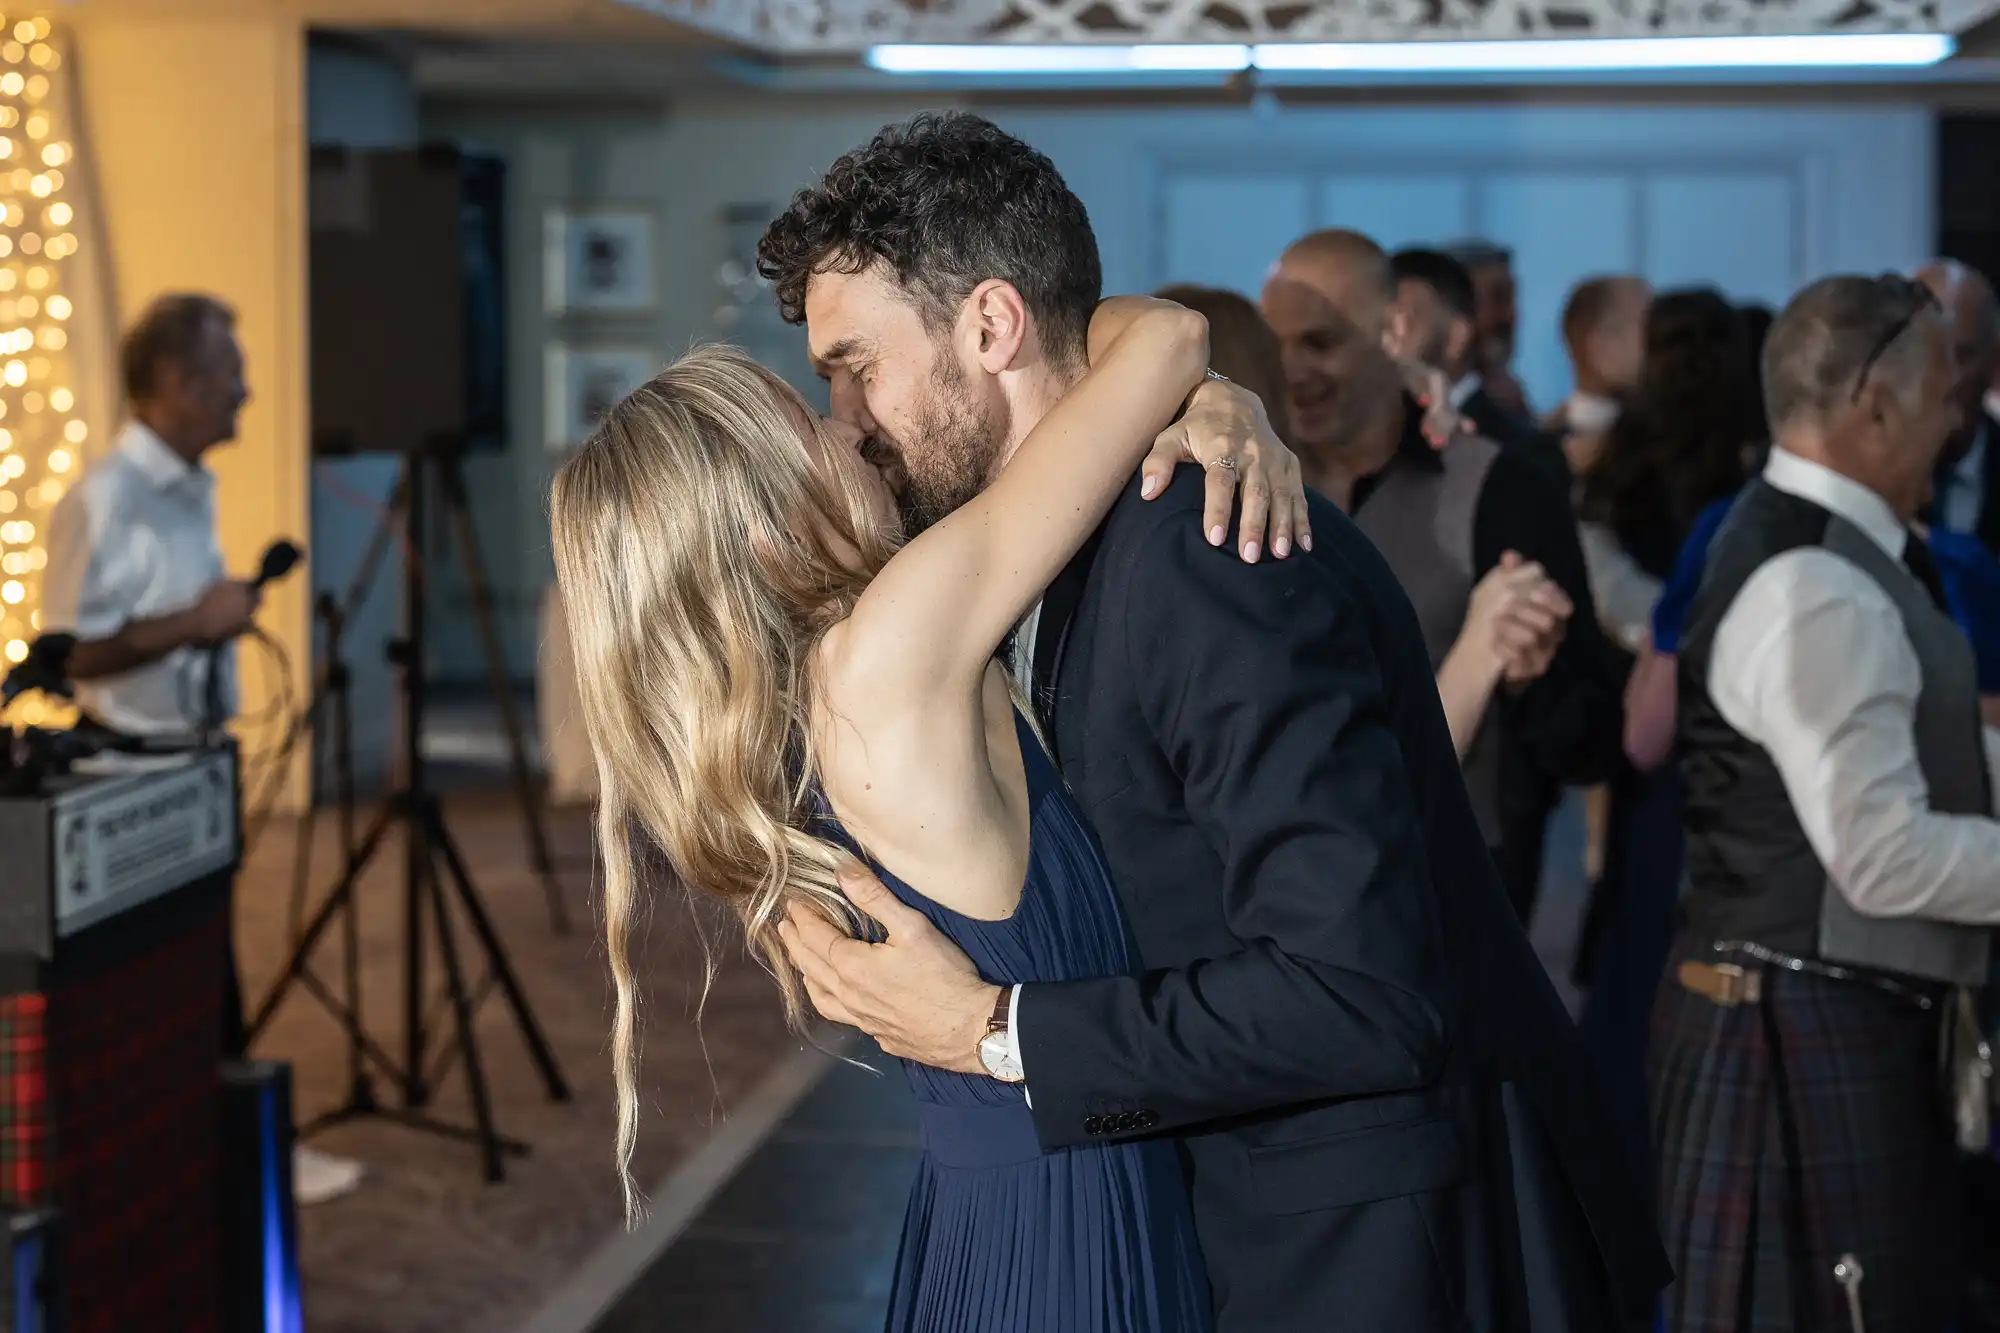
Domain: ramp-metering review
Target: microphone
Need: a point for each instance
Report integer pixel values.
(278, 560)
(279, 557)
(45, 668)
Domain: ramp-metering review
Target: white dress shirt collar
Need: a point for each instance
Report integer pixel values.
(1589, 413)
(1842, 495)
(156, 459)
(1463, 390)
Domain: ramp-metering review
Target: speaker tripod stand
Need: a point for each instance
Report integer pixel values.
(309, 719)
(436, 880)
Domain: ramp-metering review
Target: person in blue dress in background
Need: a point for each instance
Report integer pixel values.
(776, 688)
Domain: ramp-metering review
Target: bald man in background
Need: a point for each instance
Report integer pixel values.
(1604, 332)
(1965, 494)
(1445, 518)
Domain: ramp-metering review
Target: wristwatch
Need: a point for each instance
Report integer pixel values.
(996, 1052)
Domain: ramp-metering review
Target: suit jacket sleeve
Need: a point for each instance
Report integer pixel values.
(1570, 720)
(1264, 693)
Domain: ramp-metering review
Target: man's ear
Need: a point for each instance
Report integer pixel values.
(995, 324)
(1879, 402)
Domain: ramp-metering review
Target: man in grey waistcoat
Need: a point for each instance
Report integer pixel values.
(1445, 518)
(1844, 862)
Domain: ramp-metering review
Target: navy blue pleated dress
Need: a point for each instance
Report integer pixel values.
(1000, 1236)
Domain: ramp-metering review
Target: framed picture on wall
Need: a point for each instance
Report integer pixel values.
(597, 260)
(583, 383)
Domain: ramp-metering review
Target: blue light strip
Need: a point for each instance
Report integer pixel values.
(30, 1259)
(1004, 58)
(282, 1313)
(1582, 55)
(1832, 51)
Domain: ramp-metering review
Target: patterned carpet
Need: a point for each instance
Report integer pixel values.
(426, 1246)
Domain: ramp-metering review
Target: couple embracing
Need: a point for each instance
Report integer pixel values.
(1111, 795)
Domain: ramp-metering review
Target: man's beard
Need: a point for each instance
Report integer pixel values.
(955, 449)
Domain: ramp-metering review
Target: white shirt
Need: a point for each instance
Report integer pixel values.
(1812, 663)
(1588, 414)
(1963, 489)
(1024, 650)
(1624, 593)
(1460, 392)
(1025, 634)
(135, 539)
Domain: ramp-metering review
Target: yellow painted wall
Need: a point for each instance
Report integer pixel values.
(198, 130)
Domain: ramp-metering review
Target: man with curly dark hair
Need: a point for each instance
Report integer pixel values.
(1341, 1025)
(895, 241)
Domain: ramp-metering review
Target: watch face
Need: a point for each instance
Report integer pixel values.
(999, 1061)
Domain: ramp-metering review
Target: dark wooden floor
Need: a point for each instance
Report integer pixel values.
(425, 1245)
(803, 1239)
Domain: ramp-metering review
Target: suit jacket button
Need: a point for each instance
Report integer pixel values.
(1093, 1125)
(1147, 1119)
(1124, 1125)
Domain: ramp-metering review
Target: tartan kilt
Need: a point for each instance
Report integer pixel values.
(1850, 1076)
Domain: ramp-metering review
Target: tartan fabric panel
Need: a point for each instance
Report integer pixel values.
(24, 1101)
(110, 1113)
(135, 1045)
(1863, 1101)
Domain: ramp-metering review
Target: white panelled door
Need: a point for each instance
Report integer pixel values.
(1226, 229)
(1753, 202)
(1398, 208)
(1739, 231)
(1563, 227)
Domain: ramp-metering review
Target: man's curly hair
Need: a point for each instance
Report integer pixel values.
(945, 201)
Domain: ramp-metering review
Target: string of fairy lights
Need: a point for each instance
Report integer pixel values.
(41, 435)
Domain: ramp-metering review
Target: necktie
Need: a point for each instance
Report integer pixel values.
(1917, 555)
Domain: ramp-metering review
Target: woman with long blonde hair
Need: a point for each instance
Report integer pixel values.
(774, 685)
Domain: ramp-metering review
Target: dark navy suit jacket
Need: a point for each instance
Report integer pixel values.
(1377, 1093)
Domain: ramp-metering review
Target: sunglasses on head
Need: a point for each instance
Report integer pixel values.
(1919, 298)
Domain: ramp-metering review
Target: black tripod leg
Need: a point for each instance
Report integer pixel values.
(461, 1004)
(418, 869)
(357, 589)
(302, 842)
(496, 667)
(496, 956)
(295, 964)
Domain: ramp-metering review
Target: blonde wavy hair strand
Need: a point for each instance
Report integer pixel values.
(701, 552)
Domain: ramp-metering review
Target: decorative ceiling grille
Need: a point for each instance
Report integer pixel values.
(828, 27)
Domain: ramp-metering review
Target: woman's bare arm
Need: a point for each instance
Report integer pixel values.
(1650, 698)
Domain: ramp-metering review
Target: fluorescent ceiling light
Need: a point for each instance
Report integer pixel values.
(1610, 53)
(1576, 55)
(1008, 58)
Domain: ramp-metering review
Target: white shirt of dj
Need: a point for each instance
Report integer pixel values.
(135, 538)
